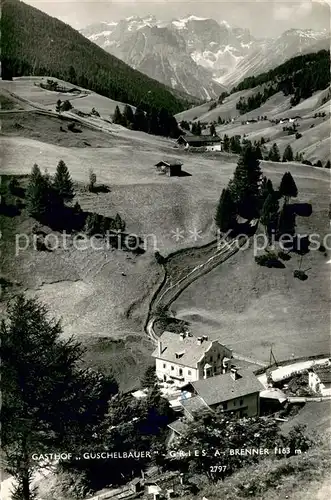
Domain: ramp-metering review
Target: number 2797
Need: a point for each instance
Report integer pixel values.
(218, 468)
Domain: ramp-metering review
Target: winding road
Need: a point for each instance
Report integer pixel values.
(169, 293)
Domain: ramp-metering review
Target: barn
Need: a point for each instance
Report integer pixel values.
(169, 167)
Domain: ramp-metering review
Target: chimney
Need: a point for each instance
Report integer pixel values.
(199, 340)
(234, 373)
(160, 348)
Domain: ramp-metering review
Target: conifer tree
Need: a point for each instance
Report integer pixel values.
(37, 195)
(287, 187)
(226, 143)
(327, 165)
(269, 213)
(235, 146)
(212, 129)
(266, 188)
(274, 154)
(140, 120)
(118, 118)
(225, 212)
(128, 115)
(288, 154)
(245, 186)
(258, 151)
(62, 182)
(48, 401)
(319, 164)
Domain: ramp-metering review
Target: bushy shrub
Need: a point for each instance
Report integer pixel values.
(269, 259)
(284, 255)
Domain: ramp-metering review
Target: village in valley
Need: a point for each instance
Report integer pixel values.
(165, 263)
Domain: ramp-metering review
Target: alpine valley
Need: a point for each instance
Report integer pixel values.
(183, 53)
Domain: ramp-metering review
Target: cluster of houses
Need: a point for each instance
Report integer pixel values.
(200, 373)
(208, 142)
(197, 373)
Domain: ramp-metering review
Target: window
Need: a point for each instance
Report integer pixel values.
(189, 372)
(225, 406)
(241, 402)
(218, 356)
(180, 371)
(164, 365)
(172, 368)
(234, 402)
(211, 359)
(215, 368)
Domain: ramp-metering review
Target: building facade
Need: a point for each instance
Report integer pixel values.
(319, 379)
(185, 358)
(232, 392)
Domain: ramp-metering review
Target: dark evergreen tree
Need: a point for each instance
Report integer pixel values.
(62, 182)
(258, 152)
(288, 154)
(270, 213)
(226, 143)
(225, 212)
(196, 128)
(235, 146)
(49, 402)
(140, 120)
(58, 106)
(66, 105)
(286, 221)
(128, 115)
(266, 189)
(72, 75)
(37, 195)
(319, 164)
(185, 125)
(245, 186)
(149, 379)
(118, 117)
(327, 165)
(287, 187)
(212, 129)
(274, 154)
(153, 123)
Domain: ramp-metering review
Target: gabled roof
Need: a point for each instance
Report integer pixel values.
(178, 426)
(324, 373)
(194, 404)
(169, 163)
(192, 351)
(221, 388)
(200, 139)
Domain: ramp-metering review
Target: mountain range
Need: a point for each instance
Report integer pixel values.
(198, 56)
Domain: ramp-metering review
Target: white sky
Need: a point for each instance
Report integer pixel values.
(262, 17)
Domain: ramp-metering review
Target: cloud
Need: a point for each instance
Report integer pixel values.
(286, 12)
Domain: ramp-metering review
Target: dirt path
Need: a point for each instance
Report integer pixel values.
(171, 290)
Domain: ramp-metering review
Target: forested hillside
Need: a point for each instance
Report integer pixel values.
(33, 43)
(300, 77)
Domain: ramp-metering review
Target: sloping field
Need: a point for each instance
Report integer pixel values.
(28, 88)
(226, 110)
(251, 308)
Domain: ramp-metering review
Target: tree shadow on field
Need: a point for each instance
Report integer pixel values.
(302, 209)
(9, 210)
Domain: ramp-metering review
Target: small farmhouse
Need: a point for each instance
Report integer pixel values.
(170, 168)
(230, 392)
(184, 358)
(210, 142)
(319, 379)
